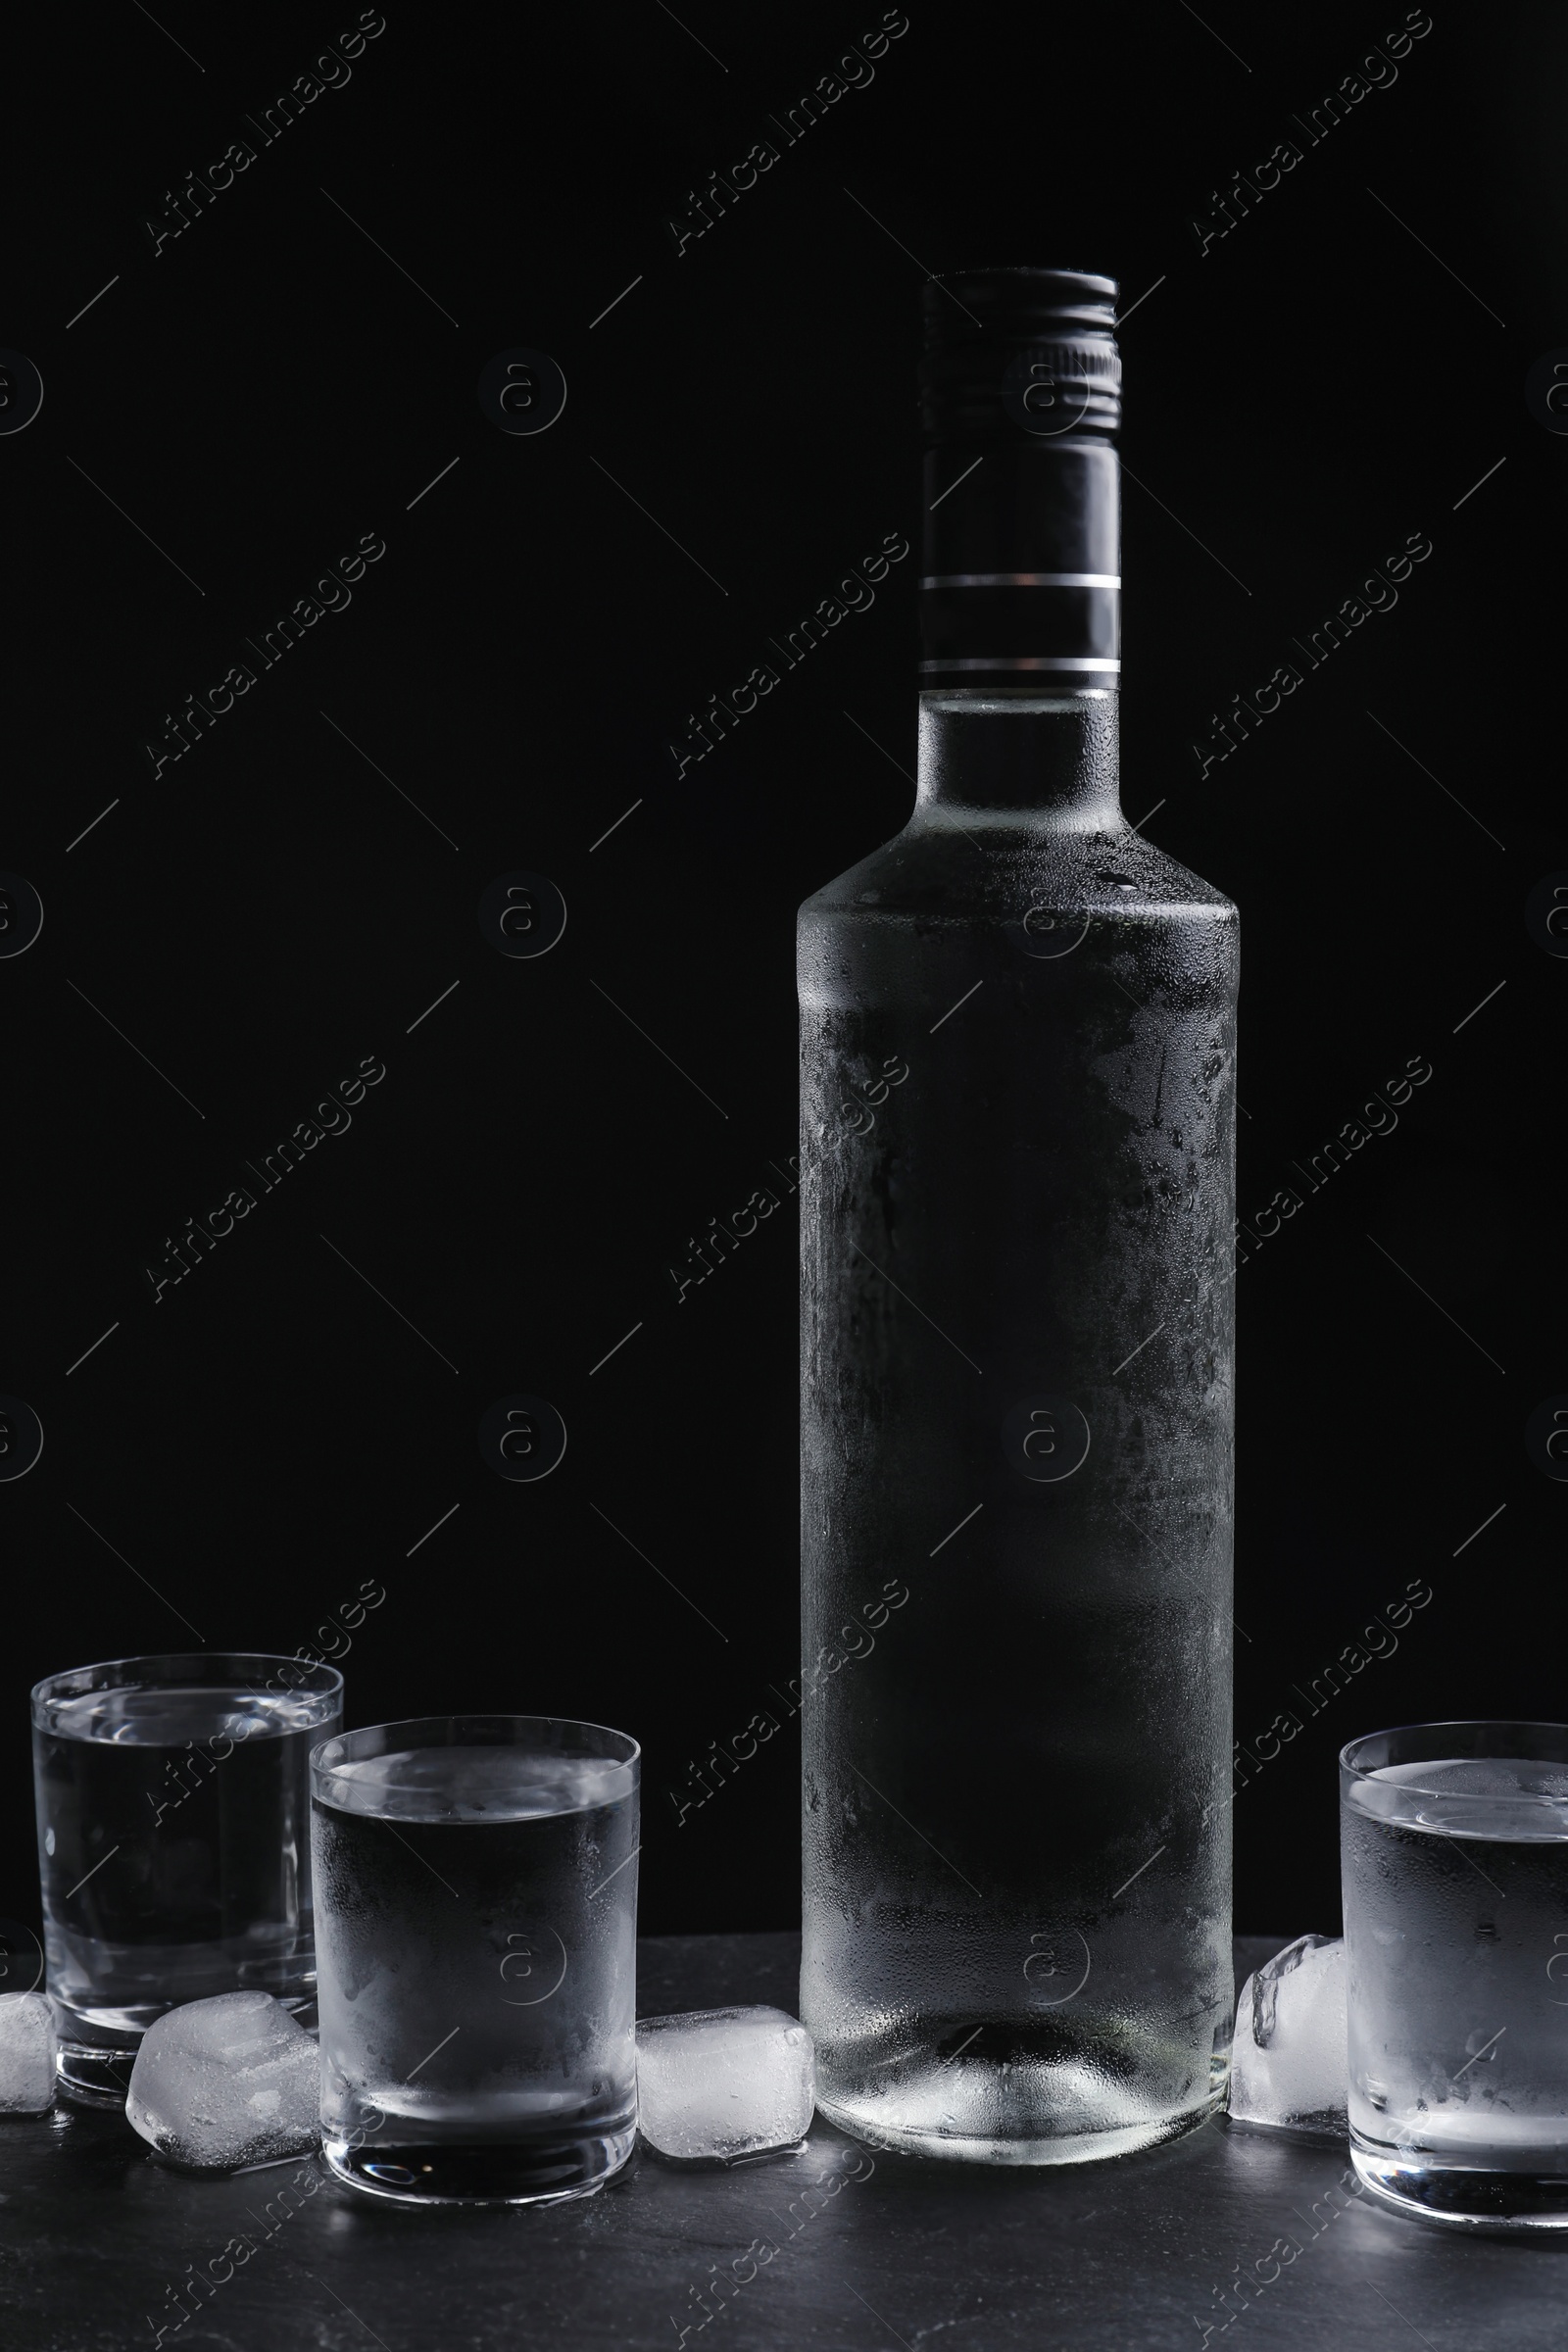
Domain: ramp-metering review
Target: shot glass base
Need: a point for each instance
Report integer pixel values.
(94, 2072)
(1473, 2197)
(541, 2172)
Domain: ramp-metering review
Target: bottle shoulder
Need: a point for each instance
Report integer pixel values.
(938, 870)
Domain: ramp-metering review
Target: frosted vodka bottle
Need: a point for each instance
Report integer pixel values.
(1017, 1041)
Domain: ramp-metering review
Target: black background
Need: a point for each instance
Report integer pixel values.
(739, 429)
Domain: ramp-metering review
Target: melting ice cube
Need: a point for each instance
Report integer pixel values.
(26, 2053)
(1288, 2065)
(222, 2084)
(718, 2084)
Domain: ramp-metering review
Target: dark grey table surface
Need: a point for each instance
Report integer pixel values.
(868, 2251)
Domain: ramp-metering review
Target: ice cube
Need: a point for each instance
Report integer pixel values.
(718, 2084)
(1288, 2065)
(26, 2053)
(222, 2084)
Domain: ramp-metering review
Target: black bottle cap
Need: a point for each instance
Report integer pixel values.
(1020, 400)
(1028, 349)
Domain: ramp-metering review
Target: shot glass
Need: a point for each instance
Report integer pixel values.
(1455, 1846)
(172, 1797)
(476, 1880)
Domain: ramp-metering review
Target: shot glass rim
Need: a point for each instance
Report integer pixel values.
(320, 1680)
(1457, 1723)
(321, 1772)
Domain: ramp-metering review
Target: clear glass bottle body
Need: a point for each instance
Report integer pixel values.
(1017, 1036)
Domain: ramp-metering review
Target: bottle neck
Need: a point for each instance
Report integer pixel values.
(1000, 759)
(1020, 574)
